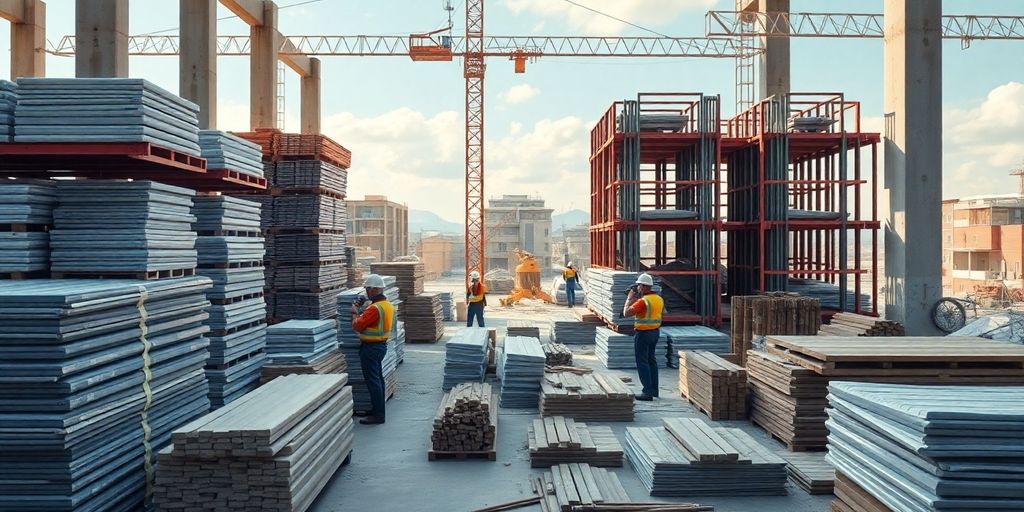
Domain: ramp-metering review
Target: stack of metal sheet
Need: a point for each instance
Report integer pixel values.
(923, 448)
(465, 358)
(94, 376)
(424, 317)
(557, 292)
(300, 341)
(818, 124)
(8, 101)
(607, 294)
(26, 211)
(104, 110)
(310, 174)
(696, 337)
(225, 151)
(122, 226)
(827, 293)
(615, 350)
(224, 214)
(349, 341)
(570, 330)
(447, 306)
(411, 276)
(521, 368)
(310, 211)
(307, 247)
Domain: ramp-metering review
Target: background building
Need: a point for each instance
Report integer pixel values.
(982, 243)
(441, 254)
(573, 245)
(380, 225)
(516, 221)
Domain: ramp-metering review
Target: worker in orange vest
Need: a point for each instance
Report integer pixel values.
(572, 278)
(476, 299)
(374, 325)
(647, 307)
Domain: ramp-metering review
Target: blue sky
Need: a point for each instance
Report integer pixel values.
(404, 120)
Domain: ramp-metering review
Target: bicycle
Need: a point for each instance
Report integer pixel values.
(949, 314)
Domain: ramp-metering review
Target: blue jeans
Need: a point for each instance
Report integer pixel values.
(570, 291)
(644, 345)
(475, 309)
(371, 357)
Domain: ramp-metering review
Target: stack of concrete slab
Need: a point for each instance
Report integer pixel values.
(275, 449)
(424, 317)
(104, 110)
(526, 328)
(465, 358)
(8, 101)
(300, 342)
(118, 226)
(607, 294)
(616, 351)
(566, 328)
(94, 377)
(26, 213)
(310, 175)
(225, 151)
(521, 368)
(696, 337)
(349, 341)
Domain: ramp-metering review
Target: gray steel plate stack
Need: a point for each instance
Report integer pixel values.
(696, 337)
(308, 277)
(310, 211)
(225, 151)
(521, 368)
(607, 293)
(8, 101)
(795, 214)
(26, 209)
(307, 247)
(827, 293)
(310, 174)
(668, 215)
(397, 341)
(317, 305)
(569, 330)
(925, 448)
(349, 341)
(300, 341)
(225, 213)
(616, 351)
(465, 357)
(104, 110)
(90, 370)
(122, 226)
(447, 307)
(557, 292)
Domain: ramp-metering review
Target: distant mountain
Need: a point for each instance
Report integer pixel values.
(422, 220)
(569, 219)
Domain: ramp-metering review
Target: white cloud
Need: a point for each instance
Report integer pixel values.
(642, 12)
(519, 94)
(981, 144)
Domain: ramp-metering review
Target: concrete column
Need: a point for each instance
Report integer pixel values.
(101, 38)
(913, 161)
(197, 64)
(28, 42)
(263, 70)
(310, 98)
(773, 69)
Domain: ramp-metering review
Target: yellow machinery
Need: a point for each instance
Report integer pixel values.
(527, 281)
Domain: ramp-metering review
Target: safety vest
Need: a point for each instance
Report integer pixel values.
(650, 319)
(381, 331)
(479, 296)
(568, 274)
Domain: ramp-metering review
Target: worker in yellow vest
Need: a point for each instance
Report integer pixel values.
(374, 325)
(572, 279)
(476, 299)
(647, 308)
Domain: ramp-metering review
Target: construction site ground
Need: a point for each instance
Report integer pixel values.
(390, 472)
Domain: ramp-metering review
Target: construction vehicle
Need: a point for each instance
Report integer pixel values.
(527, 279)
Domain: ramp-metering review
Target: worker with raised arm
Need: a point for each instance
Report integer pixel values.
(647, 308)
(572, 277)
(476, 299)
(374, 325)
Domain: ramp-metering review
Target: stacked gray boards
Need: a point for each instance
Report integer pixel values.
(521, 368)
(230, 250)
(8, 101)
(465, 357)
(26, 214)
(225, 151)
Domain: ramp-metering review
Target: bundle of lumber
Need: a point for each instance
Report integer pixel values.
(424, 318)
(466, 424)
(304, 146)
(595, 396)
(715, 386)
(273, 449)
(570, 486)
(410, 276)
(851, 497)
(560, 440)
(557, 354)
(265, 138)
(774, 313)
(526, 328)
(787, 400)
(331, 362)
(810, 472)
(852, 324)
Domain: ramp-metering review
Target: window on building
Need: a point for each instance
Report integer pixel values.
(546, 232)
(502, 246)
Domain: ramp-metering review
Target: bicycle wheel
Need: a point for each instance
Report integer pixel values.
(949, 315)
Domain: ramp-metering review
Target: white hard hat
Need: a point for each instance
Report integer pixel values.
(645, 279)
(568, 264)
(474, 275)
(373, 281)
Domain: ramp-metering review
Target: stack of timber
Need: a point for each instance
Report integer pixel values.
(560, 440)
(557, 354)
(8, 102)
(447, 307)
(266, 139)
(520, 369)
(466, 424)
(787, 400)
(296, 146)
(715, 386)
(330, 363)
(230, 249)
(774, 313)
(225, 151)
(94, 373)
(851, 497)
(569, 487)
(104, 110)
(526, 328)
(922, 448)
(410, 276)
(607, 295)
(275, 449)
(566, 328)
(465, 357)
(119, 227)
(852, 324)
(690, 457)
(590, 397)
(424, 318)
(310, 175)
(810, 471)
(349, 341)
(616, 351)
(696, 337)
(26, 216)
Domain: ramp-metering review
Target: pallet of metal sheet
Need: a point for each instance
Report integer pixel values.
(225, 151)
(527, 328)
(573, 486)
(307, 247)
(810, 472)
(310, 175)
(448, 314)
(309, 211)
(466, 424)
(319, 305)
(567, 329)
(520, 369)
(424, 320)
(774, 313)
(696, 337)
(465, 357)
(690, 457)
(8, 102)
(228, 382)
(301, 341)
(225, 249)
(245, 339)
(311, 277)
(331, 362)
(616, 351)
(410, 274)
(560, 440)
(606, 295)
(827, 294)
(27, 202)
(557, 354)
(275, 448)
(220, 215)
(592, 397)
(24, 252)
(713, 385)
(266, 203)
(292, 146)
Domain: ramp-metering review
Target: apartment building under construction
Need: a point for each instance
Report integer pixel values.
(982, 243)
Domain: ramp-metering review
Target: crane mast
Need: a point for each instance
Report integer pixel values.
(474, 68)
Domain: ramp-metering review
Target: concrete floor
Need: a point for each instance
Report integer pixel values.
(390, 471)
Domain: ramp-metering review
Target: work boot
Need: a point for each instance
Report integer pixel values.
(644, 397)
(372, 420)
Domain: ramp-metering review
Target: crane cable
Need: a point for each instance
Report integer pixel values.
(616, 18)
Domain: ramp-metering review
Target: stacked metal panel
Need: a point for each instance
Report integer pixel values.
(615, 351)
(104, 110)
(349, 341)
(608, 291)
(8, 101)
(94, 377)
(122, 226)
(570, 330)
(300, 341)
(225, 151)
(311, 174)
(447, 307)
(465, 357)
(696, 337)
(521, 368)
(557, 292)
(26, 212)
(828, 294)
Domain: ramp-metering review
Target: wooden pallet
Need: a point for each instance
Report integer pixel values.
(490, 455)
(234, 264)
(235, 300)
(149, 275)
(34, 274)
(24, 228)
(230, 232)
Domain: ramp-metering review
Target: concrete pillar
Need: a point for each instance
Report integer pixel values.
(263, 70)
(101, 38)
(913, 161)
(28, 41)
(310, 98)
(197, 64)
(773, 69)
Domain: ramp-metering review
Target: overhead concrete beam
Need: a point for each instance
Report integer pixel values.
(12, 10)
(301, 64)
(263, 70)
(310, 98)
(101, 38)
(197, 62)
(748, 5)
(28, 40)
(250, 11)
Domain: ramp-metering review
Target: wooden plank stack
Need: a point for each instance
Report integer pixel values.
(582, 488)
(466, 424)
(560, 440)
(305, 146)
(811, 472)
(715, 386)
(273, 449)
(852, 324)
(775, 313)
(331, 362)
(527, 328)
(851, 497)
(595, 396)
(557, 354)
(410, 275)
(424, 318)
